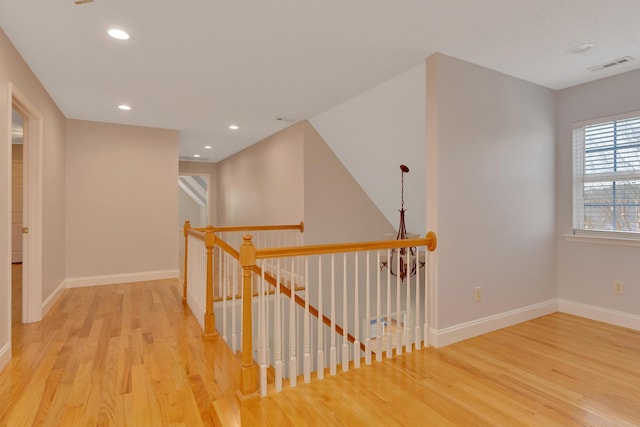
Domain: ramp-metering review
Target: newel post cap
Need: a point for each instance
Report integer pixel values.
(247, 251)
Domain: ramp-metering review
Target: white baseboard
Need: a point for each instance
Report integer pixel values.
(5, 355)
(48, 303)
(453, 334)
(112, 279)
(618, 318)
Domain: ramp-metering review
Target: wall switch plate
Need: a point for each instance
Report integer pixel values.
(476, 293)
(618, 287)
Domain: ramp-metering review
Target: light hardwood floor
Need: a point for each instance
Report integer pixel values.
(132, 355)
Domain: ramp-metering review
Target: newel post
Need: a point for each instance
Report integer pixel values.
(209, 315)
(187, 226)
(248, 375)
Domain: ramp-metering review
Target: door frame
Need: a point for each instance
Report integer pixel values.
(32, 205)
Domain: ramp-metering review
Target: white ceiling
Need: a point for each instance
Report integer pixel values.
(200, 65)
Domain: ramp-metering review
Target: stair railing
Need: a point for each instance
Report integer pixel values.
(278, 276)
(211, 270)
(283, 331)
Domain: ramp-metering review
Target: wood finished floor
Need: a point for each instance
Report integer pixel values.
(131, 355)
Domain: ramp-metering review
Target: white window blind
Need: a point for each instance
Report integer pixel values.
(606, 175)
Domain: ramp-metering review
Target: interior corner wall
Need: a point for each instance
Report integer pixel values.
(336, 208)
(587, 270)
(493, 191)
(263, 184)
(13, 69)
(211, 170)
(122, 202)
(377, 131)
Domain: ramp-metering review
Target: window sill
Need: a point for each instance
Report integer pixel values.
(607, 239)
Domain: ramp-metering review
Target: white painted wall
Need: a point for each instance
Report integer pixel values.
(491, 192)
(586, 271)
(122, 202)
(374, 133)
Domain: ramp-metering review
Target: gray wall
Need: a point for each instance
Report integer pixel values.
(122, 200)
(587, 270)
(263, 184)
(336, 208)
(374, 133)
(491, 190)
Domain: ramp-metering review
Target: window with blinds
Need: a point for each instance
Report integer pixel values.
(606, 175)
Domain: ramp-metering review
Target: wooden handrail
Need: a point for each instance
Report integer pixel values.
(429, 241)
(198, 233)
(247, 257)
(299, 226)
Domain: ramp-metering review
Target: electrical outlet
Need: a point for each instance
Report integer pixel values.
(476, 293)
(618, 287)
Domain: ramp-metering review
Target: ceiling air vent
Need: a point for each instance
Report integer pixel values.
(610, 64)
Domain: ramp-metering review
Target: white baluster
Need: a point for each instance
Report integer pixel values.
(307, 346)
(278, 331)
(262, 327)
(356, 317)
(379, 338)
(427, 272)
(224, 302)
(234, 289)
(367, 309)
(332, 349)
(320, 363)
(293, 360)
(398, 333)
(345, 318)
(418, 338)
(387, 335)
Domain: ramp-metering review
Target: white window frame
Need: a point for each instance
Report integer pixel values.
(579, 179)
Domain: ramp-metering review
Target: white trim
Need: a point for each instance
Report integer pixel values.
(113, 279)
(51, 299)
(607, 239)
(614, 317)
(5, 323)
(5, 355)
(463, 331)
(33, 200)
(606, 119)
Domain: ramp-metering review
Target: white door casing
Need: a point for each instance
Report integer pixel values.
(32, 206)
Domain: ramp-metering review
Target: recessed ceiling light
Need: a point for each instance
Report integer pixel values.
(196, 155)
(124, 107)
(208, 147)
(118, 34)
(234, 127)
(581, 48)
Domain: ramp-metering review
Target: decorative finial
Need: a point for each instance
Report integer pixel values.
(404, 170)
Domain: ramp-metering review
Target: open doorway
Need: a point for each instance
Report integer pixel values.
(193, 206)
(17, 181)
